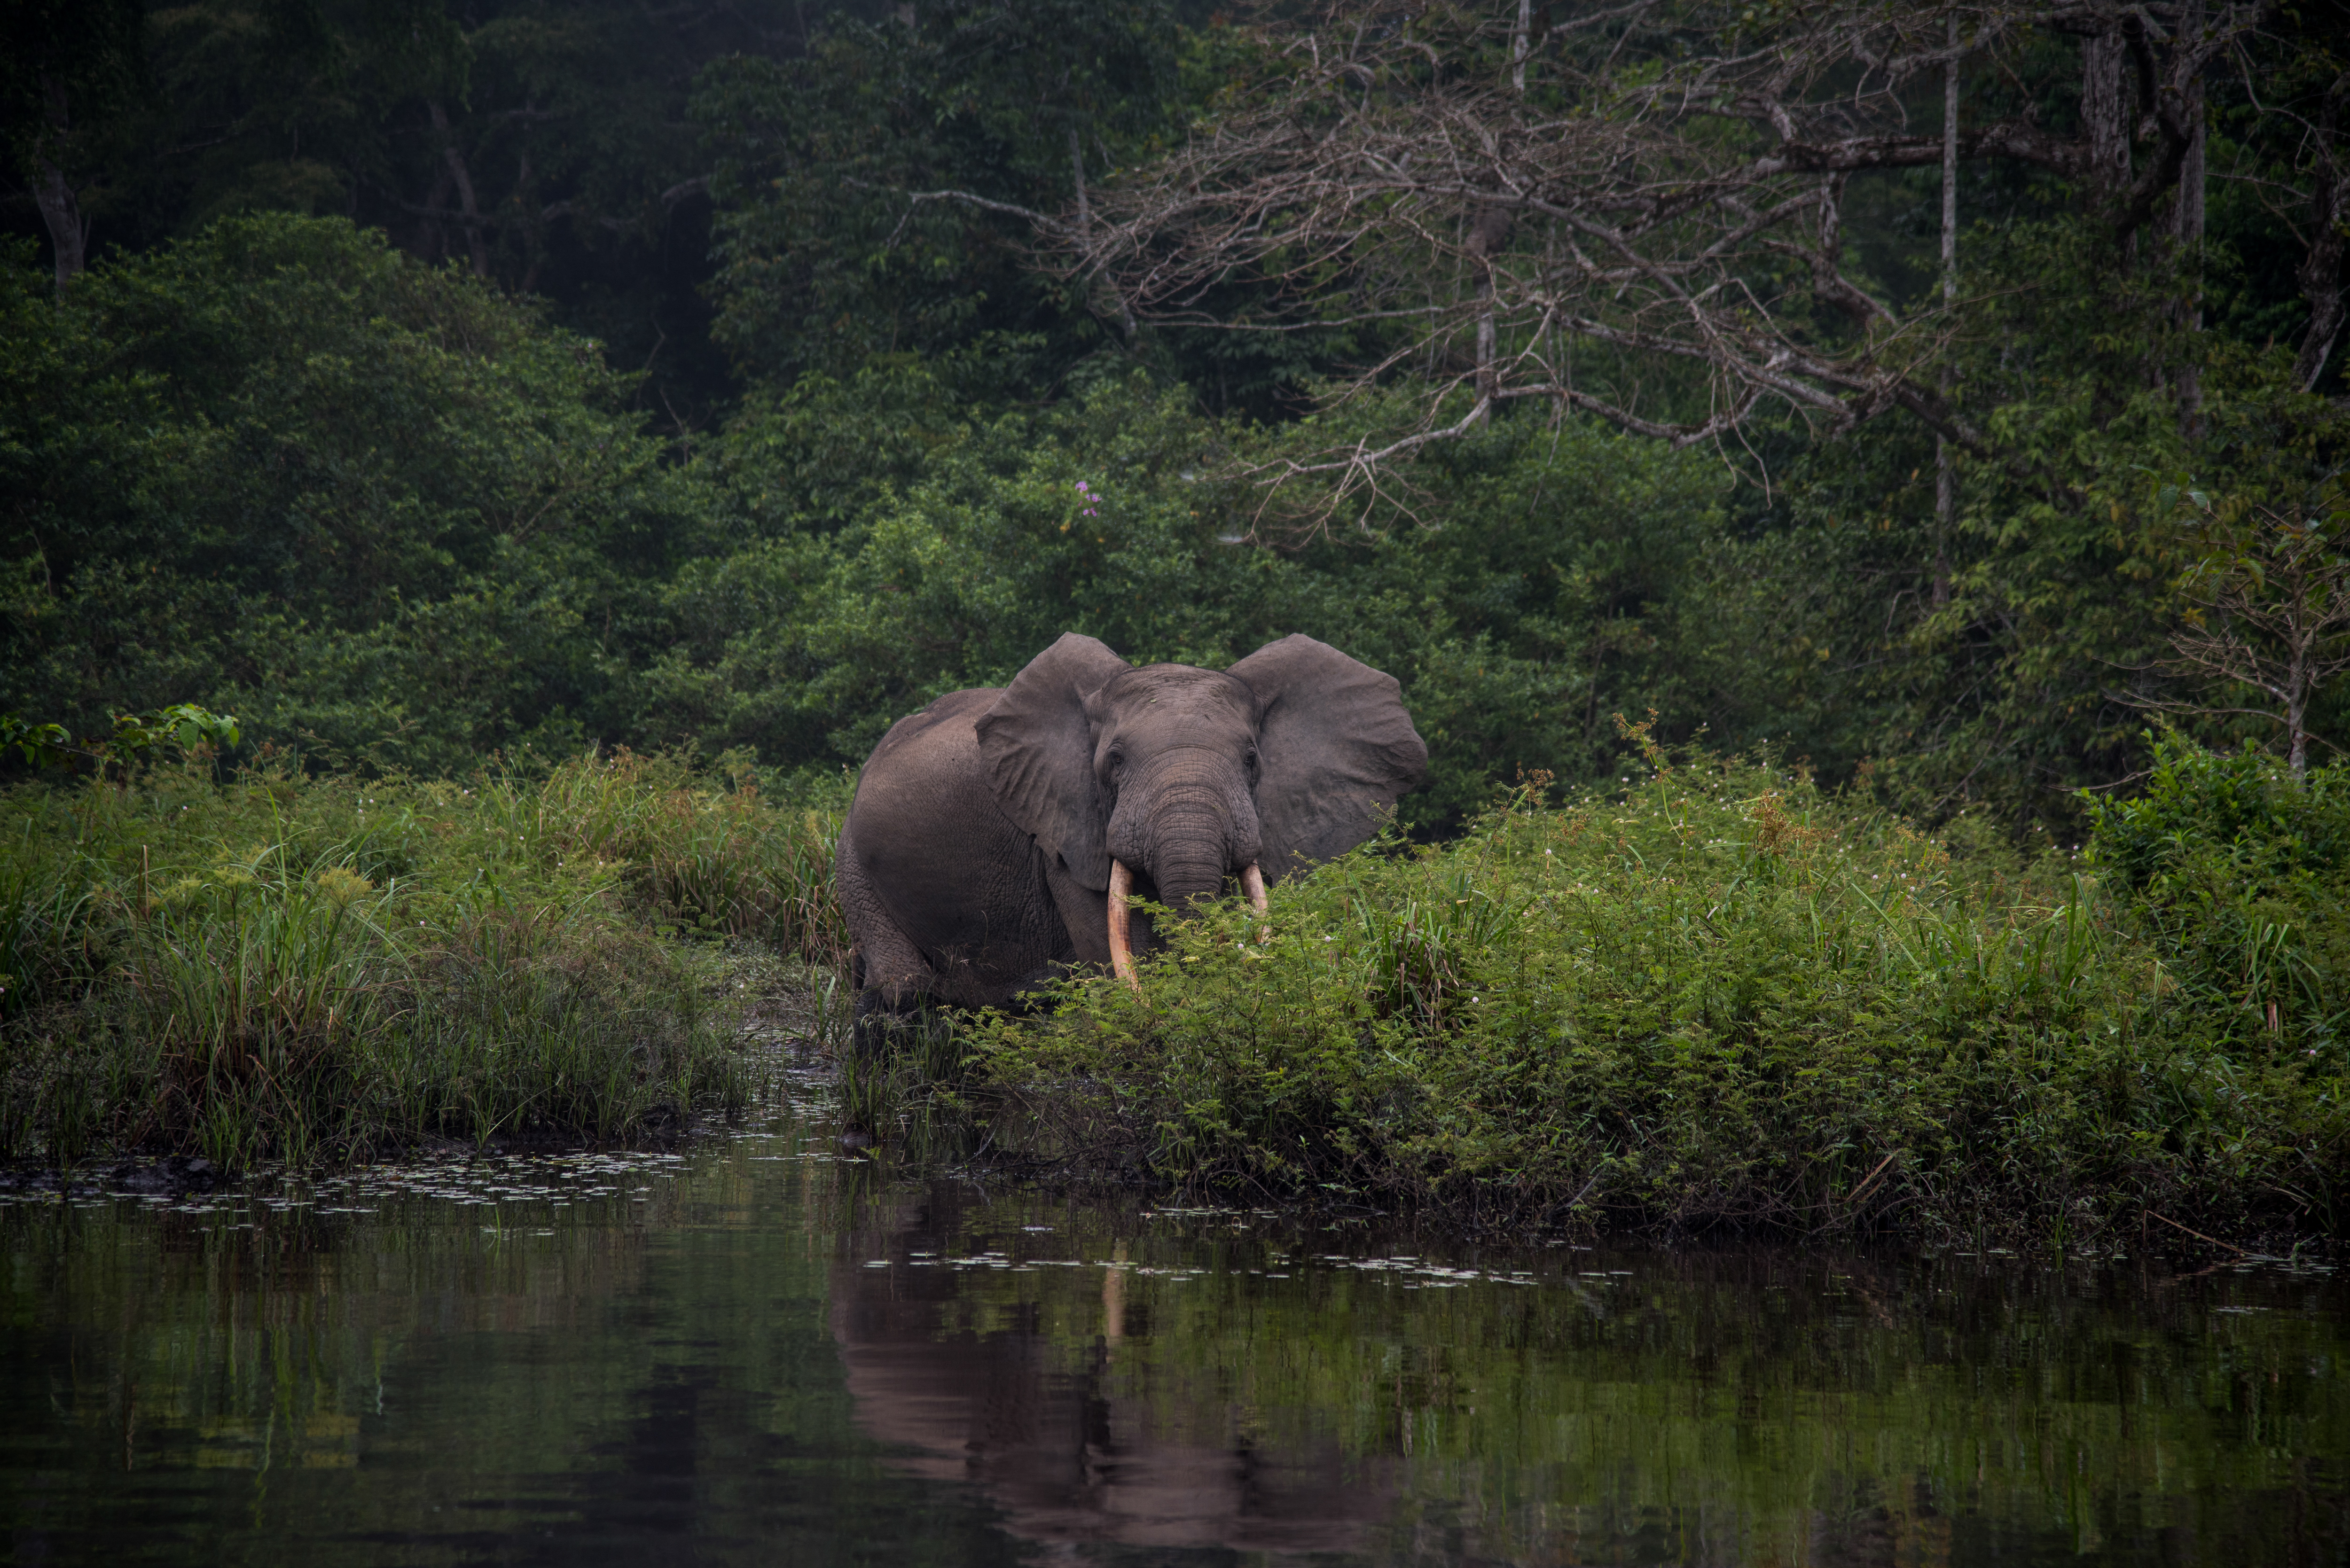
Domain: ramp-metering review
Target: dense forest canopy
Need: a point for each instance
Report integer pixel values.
(1945, 394)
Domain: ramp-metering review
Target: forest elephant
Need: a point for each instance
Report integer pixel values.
(996, 835)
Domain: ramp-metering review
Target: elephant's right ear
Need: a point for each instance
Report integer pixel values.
(1038, 746)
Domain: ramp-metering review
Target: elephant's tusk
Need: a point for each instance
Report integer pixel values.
(1121, 956)
(1252, 884)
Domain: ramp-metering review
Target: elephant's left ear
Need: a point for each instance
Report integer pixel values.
(1336, 749)
(1038, 745)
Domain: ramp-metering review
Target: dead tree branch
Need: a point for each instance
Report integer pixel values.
(2268, 611)
(1512, 206)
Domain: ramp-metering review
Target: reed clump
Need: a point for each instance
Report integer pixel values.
(306, 968)
(1718, 998)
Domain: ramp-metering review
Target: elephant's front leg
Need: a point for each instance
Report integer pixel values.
(892, 977)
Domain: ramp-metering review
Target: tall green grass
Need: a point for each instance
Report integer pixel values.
(299, 968)
(1717, 999)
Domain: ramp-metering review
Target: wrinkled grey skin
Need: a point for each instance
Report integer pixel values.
(976, 862)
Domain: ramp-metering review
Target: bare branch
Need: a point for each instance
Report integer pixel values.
(1043, 223)
(2321, 270)
(1665, 209)
(1501, 203)
(2269, 611)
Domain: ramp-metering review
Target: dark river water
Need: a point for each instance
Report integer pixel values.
(755, 1352)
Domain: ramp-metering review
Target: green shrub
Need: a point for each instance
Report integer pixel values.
(2237, 875)
(1717, 998)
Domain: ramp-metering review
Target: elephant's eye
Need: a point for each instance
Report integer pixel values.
(1251, 764)
(1116, 762)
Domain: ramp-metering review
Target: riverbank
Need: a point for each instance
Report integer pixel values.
(1719, 1000)
(1715, 999)
(315, 970)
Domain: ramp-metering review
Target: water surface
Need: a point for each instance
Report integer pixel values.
(752, 1352)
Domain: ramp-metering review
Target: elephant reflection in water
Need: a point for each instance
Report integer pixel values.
(995, 840)
(1070, 1461)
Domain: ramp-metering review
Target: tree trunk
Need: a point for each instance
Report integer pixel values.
(2186, 228)
(535, 235)
(1125, 321)
(1521, 41)
(1946, 473)
(1077, 173)
(432, 233)
(1487, 238)
(1485, 346)
(54, 194)
(59, 210)
(2321, 270)
(2296, 715)
(2104, 118)
(465, 179)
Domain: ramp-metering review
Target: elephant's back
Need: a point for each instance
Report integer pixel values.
(925, 755)
(928, 839)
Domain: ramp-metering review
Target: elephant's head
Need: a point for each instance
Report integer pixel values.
(1170, 779)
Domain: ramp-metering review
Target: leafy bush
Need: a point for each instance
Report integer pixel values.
(2238, 874)
(1719, 997)
(390, 518)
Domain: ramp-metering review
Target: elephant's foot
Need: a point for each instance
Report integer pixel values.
(882, 1027)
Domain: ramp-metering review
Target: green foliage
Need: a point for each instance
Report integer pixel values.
(388, 517)
(544, 145)
(183, 724)
(2014, 655)
(309, 473)
(197, 731)
(824, 261)
(42, 745)
(354, 486)
(884, 193)
(1719, 997)
(372, 507)
(307, 969)
(88, 51)
(907, 543)
(2238, 874)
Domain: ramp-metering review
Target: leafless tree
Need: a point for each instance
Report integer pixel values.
(2268, 612)
(1647, 181)
(2327, 226)
(1525, 207)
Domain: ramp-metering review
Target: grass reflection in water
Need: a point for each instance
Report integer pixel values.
(754, 1352)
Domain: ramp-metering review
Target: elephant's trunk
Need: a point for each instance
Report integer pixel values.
(1191, 843)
